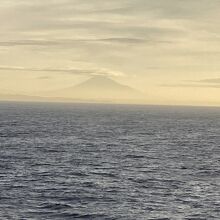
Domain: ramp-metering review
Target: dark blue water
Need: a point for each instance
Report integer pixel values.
(78, 161)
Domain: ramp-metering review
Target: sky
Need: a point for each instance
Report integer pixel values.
(167, 49)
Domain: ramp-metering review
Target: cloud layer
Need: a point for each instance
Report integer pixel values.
(83, 72)
(204, 83)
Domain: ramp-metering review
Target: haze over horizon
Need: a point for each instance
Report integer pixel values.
(99, 88)
(168, 50)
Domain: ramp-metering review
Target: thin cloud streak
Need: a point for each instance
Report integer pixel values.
(74, 71)
(190, 86)
(215, 80)
(204, 83)
(63, 42)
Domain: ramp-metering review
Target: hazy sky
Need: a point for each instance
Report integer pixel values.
(169, 49)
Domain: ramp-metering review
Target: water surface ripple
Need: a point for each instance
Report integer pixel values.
(79, 161)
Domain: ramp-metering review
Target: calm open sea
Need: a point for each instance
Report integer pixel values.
(88, 161)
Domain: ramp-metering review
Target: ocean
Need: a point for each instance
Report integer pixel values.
(99, 161)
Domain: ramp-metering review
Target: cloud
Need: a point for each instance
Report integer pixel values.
(68, 42)
(203, 83)
(74, 71)
(106, 16)
(28, 43)
(215, 81)
(44, 77)
(190, 85)
(101, 19)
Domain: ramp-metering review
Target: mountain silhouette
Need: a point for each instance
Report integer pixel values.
(100, 88)
(101, 84)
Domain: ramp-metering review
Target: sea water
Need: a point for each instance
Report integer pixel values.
(93, 161)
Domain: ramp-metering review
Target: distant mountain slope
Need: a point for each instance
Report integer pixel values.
(101, 82)
(95, 89)
(99, 88)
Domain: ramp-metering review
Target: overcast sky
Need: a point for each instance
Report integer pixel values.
(169, 49)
